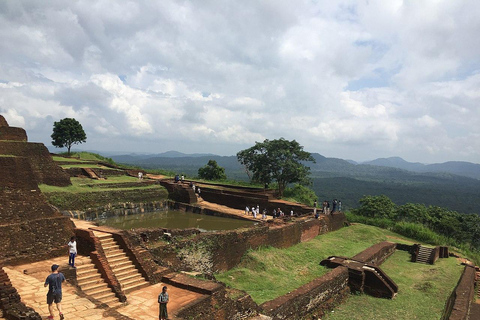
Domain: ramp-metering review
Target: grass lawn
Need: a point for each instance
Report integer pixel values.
(84, 185)
(268, 273)
(423, 291)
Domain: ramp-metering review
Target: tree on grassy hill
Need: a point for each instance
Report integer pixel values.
(276, 160)
(377, 207)
(212, 171)
(67, 132)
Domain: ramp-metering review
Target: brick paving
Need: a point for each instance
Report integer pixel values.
(143, 305)
(33, 293)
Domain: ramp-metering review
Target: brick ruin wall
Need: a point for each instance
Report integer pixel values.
(239, 200)
(376, 254)
(311, 299)
(44, 168)
(10, 302)
(212, 252)
(459, 303)
(30, 228)
(14, 134)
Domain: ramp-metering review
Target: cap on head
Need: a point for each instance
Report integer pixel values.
(54, 267)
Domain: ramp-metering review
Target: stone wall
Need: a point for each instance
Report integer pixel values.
(377, 253)
(44, 168)
(218, 302)
(10, 302)
(30, 228)
(311, 299)
(111, 198)
(460, 301)
(11, 133)
(219, 251)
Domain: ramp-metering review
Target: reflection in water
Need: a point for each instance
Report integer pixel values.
(173, 219)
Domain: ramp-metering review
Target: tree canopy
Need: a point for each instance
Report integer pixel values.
(212, 171)
(278, 161)
(67, 132)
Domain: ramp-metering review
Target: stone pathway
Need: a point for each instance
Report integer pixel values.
(221, 208)
(143, 305)
(33, 293)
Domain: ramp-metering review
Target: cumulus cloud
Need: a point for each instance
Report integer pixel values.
(351, 79)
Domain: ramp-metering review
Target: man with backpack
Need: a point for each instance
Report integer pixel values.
(54, 282)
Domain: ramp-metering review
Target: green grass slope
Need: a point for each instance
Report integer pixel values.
(268, 273)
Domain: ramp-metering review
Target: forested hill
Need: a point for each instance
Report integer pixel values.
(461, 168)
(341, 179)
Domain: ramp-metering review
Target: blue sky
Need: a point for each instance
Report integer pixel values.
(350, 79)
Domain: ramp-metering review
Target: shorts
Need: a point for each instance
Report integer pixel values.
(54, 297)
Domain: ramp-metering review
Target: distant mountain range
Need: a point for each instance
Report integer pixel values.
(453, 185)
(175, 160)
(460, 168)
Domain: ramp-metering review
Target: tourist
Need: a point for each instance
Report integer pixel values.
(54, 283)
(182, 178)
(339, 206)
(324, 206)
(254, 210)
(247, 210)
(140, 175)
(177, 178)
(315, 207)
(328, 207)
(291, 213)
(264, 214)
(334, 205)
(72, 252)
(274, 213)
(163, 300)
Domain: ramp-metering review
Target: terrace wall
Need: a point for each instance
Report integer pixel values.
(311, 299)
(30, 228)
(460, 301)
(212, 252)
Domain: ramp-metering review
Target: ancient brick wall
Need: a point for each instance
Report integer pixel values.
(212, 252)
(29, 227)
(3, 122)
(12, 133)
(239, 200)
(10, 302)
(458, 305)
(377, 253)
(312, 299)
(44, 168)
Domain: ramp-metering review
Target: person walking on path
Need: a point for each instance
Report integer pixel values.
(54, 282)
(163, 300)
(315, 207)
(72, 252)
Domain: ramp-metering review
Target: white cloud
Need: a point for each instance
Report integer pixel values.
(352, 79)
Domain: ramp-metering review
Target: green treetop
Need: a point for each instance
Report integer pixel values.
(67, 132)
(276, 160)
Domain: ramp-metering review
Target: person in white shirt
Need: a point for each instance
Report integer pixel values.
(72, 252)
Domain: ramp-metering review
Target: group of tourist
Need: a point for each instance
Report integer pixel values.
(336, 206)
(255, 210)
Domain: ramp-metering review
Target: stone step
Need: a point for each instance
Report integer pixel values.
(118, 259)
(127, 276)
(135, 287)
(114, 253)
(94, 286)
(97, 293)
(130, 267)
(86, 273)
(103, 296)
(90, 281)
(120, 264)
(110, 247)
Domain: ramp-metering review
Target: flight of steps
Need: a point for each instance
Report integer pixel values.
(127, 275)
(93, 285)
(424, 255)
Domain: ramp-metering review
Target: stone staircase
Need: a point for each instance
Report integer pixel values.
(425, 255)
(93, 285)
(91, 174)
(127, 275)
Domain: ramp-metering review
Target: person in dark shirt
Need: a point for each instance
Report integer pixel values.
(54, 282)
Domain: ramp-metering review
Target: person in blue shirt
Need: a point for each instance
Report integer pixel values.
(54, 282)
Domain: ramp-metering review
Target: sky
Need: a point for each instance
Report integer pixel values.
(349, 79)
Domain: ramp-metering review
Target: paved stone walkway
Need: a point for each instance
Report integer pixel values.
(143, 305)
(33, 293)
